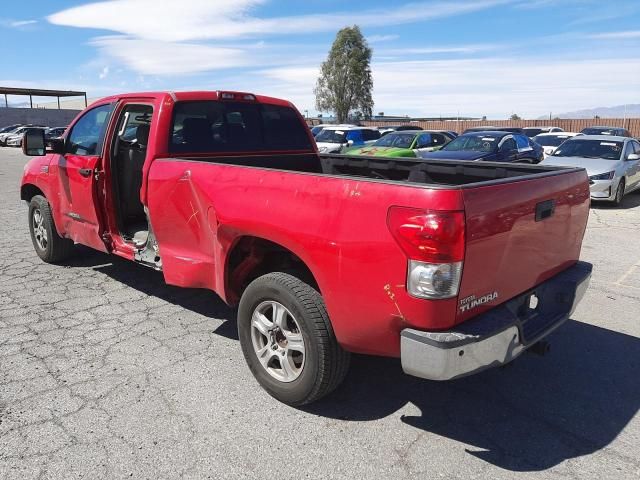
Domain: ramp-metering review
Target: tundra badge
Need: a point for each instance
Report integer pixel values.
(471, 302)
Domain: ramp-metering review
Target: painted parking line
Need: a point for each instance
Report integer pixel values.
(626, 275)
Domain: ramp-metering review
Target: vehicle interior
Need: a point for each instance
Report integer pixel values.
(127, 160)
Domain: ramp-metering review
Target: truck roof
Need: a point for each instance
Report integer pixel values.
(198, 95)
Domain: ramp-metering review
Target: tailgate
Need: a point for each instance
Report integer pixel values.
(509, 250)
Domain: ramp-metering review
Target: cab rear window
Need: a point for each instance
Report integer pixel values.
(226, 127)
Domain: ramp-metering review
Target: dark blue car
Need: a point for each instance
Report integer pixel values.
(491, 146)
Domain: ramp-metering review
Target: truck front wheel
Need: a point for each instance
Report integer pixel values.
(287, 339)
(49, 246)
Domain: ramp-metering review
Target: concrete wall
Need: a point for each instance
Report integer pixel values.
(38, 116)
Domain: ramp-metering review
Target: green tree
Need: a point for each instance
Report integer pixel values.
(515, 116)
(345, 84)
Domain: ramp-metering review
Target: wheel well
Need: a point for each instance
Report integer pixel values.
(28, 191)
(252, 257)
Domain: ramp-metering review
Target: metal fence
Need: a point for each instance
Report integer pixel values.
(569, 125)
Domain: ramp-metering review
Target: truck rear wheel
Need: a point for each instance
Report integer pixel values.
(49, 246)
(288, 341)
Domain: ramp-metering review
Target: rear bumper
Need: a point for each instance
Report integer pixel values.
(498, 336)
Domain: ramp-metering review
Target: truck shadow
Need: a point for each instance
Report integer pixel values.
(151, 282)
(528, 416)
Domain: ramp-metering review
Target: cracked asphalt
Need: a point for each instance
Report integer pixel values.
(105, 372)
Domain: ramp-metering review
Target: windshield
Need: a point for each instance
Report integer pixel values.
(473, 143)
(398, 140)
(316, 130)
(532, 132)
(590, 149)
(550, 140)
(598, 131)
(331, 136)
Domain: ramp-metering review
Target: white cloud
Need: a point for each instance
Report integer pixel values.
(151, 57)
(104, 73)
(225, 19)
(22, 23)
(491, 86)
(471, 48)
(382, 38)
(623, 35)
(10, 23)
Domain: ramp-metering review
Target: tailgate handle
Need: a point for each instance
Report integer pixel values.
(545, 209)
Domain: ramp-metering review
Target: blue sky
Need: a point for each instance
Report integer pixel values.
(472, 57)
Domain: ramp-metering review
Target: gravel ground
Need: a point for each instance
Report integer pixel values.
(105, 372)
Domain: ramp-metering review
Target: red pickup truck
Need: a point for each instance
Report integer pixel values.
(452, 266)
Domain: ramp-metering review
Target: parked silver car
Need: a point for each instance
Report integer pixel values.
(15, 139)
(612, 163)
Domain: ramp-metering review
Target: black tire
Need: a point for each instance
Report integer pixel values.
(325, 362)
(619, 193)
(55, 248)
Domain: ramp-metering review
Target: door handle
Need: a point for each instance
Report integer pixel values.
(85, 172)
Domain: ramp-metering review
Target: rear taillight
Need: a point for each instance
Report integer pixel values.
(434, 243)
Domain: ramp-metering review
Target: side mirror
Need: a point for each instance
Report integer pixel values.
(350, 143)
(633, 156)
(33, 142)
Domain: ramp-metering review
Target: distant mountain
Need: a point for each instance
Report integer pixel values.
(632, 111)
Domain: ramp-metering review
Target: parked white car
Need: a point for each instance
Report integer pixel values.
(5, 135)
(15, 140)
(612, 163)
(316, 129)
(336, 139)
(534, 131)
(550, 141)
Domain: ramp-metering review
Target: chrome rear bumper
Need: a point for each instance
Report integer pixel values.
(498, 336)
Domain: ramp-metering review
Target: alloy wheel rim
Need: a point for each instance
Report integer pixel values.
(277, 341)
(39, 230)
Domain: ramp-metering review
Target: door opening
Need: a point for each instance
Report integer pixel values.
(127, 160)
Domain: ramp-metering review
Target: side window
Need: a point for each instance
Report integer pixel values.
(629, 150)
(424, 140)
(438, 139)
(522, 142)
(636, 147)
(370, 135)
(508, 145)
(87, 135)
(355, 135)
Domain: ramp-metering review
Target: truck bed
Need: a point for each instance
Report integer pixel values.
(432, 173)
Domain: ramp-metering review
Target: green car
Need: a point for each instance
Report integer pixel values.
(405, 143)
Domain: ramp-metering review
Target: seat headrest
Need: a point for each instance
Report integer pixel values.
(142, 134)
(196, 131)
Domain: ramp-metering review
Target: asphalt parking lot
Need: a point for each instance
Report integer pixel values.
(105, 372)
